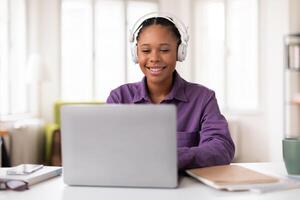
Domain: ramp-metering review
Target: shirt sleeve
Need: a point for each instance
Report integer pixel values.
(113, 98)
(215, 146)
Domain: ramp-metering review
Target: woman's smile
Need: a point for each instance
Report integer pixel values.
(156, 70)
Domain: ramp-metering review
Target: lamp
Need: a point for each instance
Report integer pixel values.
(36, 75)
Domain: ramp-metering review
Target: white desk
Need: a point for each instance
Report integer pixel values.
(189, 189)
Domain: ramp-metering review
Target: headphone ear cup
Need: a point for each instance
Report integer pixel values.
(181, 52)
(133, 49)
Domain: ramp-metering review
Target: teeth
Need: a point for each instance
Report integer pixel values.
(155, 69)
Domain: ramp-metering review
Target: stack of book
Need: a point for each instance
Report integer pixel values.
(238, 178)
(42, 174)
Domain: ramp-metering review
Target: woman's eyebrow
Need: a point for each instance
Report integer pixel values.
(145, 45)
(161, 44)
(165, 44)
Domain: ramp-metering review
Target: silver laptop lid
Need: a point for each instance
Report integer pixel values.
(119, 145)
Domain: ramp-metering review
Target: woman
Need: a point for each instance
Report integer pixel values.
(203, 137)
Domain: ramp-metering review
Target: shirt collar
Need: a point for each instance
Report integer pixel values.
(177, 91)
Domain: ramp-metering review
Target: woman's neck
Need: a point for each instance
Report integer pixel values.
(158, 91)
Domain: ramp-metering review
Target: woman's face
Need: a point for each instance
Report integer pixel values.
(157, 53)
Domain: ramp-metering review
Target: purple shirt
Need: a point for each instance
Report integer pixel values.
(203, 138)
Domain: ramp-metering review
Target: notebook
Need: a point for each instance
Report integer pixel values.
(119, 145)
(230, 177)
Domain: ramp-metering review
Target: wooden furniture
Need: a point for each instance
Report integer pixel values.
(3, 150)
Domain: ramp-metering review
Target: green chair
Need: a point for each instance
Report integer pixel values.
(52, 133)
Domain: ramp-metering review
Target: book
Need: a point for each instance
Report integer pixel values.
(45, 173)
(231, 177)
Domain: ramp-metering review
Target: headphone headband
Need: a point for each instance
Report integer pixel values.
(183, 30)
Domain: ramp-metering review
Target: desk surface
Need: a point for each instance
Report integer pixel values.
(55, 189)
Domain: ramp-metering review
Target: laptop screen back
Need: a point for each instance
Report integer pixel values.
(119, 145)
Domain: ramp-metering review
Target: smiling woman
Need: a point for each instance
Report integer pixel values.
(203, 138)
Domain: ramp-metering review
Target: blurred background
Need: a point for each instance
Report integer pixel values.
(77, 51)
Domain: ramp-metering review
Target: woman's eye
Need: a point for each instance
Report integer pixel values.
(145, 50)
(164, 50)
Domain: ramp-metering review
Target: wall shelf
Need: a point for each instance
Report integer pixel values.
(292, 86)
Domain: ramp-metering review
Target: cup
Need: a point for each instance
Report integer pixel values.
(291, 155)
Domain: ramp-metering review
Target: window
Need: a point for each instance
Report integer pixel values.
(95, 46)
(226, 37)
(13, 90)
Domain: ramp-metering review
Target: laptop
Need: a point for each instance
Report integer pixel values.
(119, 145)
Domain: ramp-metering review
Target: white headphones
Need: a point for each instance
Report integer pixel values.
(182, 48)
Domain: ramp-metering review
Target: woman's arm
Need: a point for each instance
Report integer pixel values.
(215, 146)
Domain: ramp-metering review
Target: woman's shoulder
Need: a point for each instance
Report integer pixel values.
(128, 87)
(197, 88)
(199, 94)
(124, 93)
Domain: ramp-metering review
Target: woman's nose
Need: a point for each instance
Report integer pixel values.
(154, 56)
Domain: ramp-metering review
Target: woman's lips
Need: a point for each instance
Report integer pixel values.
(155, 70)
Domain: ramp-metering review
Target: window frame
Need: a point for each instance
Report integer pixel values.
(126, 53)
(28, 110)
(225, 108)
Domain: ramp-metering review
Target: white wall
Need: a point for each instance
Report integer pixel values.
(294, 20)
(260, 132)
(50, 51)
(274, 26)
